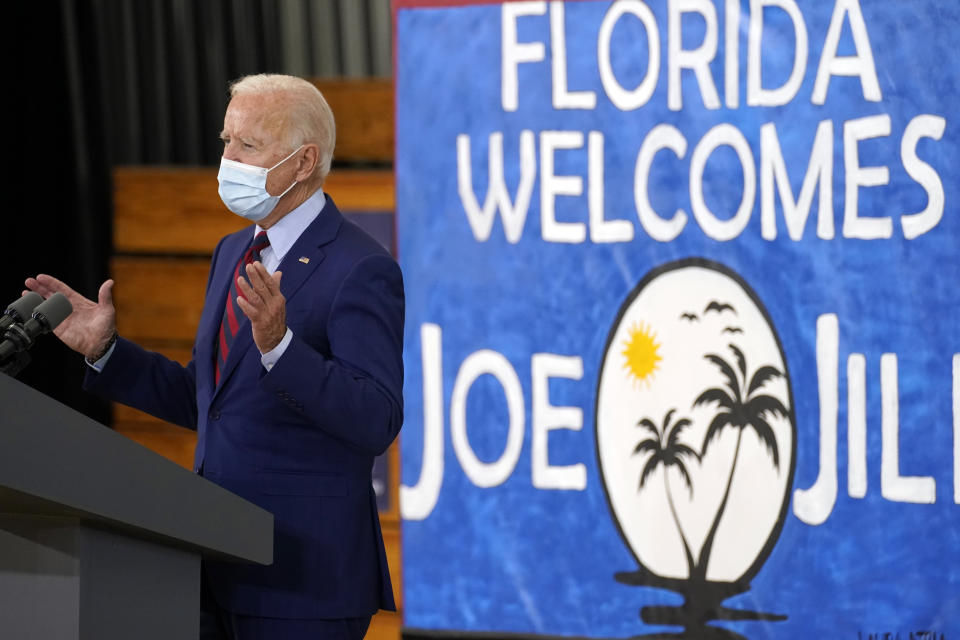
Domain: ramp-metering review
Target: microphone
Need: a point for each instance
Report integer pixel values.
(20, 310)
(46, 317)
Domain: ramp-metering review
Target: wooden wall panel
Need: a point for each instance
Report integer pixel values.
(177, 209)
(391, 539)
(363, 110)
(169, 209)
(172, 442)
(159, 300)
(386, 625)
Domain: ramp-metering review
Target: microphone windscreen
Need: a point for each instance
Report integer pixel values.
(23, 308)
(52, 311)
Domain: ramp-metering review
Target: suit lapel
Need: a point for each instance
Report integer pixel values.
(301, 261)
(307, 252)
(209, 328)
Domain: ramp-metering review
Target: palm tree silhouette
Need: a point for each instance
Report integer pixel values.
(665, 449)
(741, 407)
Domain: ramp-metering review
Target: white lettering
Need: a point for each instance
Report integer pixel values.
(923, 126)
(623, 99)
(417, 502)
(512, 53)
(731, 66)
(482, 362)
(563, 99)
(601, 230)
(757, 96)
(857, 176)
(773, 170)
(662, 136)
(722, 230)
(860, 65)
(813, 505)
(698, 59)
(956, 428)
(514, 217)
(547, 417)
(857, 425)
(893, 486)
(552, 185)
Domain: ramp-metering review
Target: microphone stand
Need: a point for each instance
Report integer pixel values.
(18, 360)
(15, 364)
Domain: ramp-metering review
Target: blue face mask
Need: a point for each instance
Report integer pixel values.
(243, 188)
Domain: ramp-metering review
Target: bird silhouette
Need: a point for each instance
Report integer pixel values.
(719, 307)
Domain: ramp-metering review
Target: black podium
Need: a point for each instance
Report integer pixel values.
(100, 538)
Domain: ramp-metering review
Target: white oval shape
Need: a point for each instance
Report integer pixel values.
(674, 336)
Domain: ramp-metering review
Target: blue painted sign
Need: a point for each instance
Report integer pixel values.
(683, 323)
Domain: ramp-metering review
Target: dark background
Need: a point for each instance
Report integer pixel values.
(58, 180)
(102, 83)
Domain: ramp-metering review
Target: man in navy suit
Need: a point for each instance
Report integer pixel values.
(295, 382)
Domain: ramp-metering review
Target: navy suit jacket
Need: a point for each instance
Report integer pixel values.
(300, 439)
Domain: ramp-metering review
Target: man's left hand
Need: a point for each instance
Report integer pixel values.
(262, 302)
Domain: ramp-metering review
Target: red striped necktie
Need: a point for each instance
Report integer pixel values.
(232, 315)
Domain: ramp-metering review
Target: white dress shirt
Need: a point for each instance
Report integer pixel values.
(282, 236)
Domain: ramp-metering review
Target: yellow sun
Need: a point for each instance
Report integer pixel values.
(642, 353)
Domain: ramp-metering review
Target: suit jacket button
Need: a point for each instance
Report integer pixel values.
(214, 415)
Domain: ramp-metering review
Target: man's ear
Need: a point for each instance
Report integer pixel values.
(308, 162)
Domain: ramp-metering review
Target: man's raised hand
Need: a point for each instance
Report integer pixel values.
(90, 327)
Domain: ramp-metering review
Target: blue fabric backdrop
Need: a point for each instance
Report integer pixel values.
(561, 555)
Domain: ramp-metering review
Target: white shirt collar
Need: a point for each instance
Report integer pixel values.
(285, 232)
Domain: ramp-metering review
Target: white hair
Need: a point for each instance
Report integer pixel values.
(308, 118)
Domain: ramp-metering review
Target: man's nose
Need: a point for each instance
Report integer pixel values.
(230, 151)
